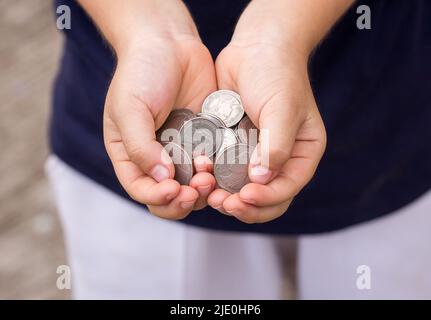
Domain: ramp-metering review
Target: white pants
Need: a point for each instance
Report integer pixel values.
(118, 250)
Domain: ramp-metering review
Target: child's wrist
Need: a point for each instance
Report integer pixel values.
(126, 26)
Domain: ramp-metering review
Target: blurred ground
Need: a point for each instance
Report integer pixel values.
(31, 245)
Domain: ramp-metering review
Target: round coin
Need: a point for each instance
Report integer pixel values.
(231, 167)
(229, 138)
(182, 162)
(200, 136)
(247, 132)
(212, 117)
(226, 105)
(169, 131)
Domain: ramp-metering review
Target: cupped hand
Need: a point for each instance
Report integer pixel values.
(276, 94)
(157, 73)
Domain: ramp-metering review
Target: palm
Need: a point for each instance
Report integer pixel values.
(166, 75)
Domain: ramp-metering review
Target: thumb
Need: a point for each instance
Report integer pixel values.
(136, 125)
(278, 122)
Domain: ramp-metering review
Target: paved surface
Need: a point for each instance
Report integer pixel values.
(31, 243)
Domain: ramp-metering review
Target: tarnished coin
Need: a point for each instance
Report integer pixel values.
(231, 167)
(229, 138)
(200, 136)
(226, 105)
(247, 132)
(212, 117)
(169, 131)
(182, 162)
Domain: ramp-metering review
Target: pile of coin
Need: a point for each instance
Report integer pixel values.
(222, 132)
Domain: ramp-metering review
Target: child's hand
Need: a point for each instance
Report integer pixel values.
(277, 97)
(162, 64)
(266, 63)
(148, 82)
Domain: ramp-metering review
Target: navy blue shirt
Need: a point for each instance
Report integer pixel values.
(373, 89)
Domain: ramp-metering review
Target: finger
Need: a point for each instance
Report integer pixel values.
(203, 164)
(135, 123)
(278, 122)
(295, 174)
(139, 186)
(204, 183)
(179, 207)
(216, 198)
(144, 189)
(251, 214)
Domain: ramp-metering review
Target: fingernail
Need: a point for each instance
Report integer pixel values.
(204, 190)
(260, 174)
(187, 205)
(160, 173)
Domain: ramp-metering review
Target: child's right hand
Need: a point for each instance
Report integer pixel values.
(162, 64)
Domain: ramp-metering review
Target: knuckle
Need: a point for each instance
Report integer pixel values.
(277, 154)
(138, 193)
(144, 103)
(136, 197)
(136, 153)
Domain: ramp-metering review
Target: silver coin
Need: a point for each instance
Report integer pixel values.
(200, 136)
(231, 167)
(229, 138)
(169, 131)
(247, 132)
(182, 162)
(212, 117)
(226, 105)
